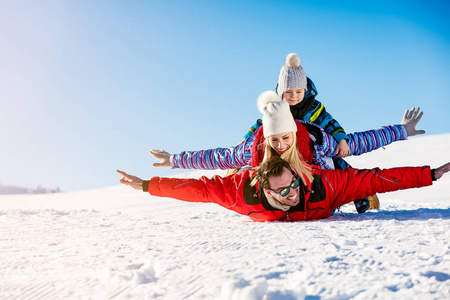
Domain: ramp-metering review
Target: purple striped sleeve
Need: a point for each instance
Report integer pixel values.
(218, 158)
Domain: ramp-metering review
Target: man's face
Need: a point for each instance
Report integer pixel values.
(278, 183)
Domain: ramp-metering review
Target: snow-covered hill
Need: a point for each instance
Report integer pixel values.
(119, 243)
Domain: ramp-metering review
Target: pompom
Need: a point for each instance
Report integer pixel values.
(266, 98)
(293, 60)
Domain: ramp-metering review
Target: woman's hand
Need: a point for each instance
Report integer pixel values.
(130, 180)
(410, 120)
(342, 150)
(162, 156)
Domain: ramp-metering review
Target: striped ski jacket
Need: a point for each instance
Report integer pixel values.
(324, 147)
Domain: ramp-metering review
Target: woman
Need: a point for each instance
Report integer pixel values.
(313, 143)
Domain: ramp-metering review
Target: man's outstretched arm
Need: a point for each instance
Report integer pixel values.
(225, 191)
(347, 185)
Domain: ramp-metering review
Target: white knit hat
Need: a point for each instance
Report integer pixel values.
(277, 117)
(292, 75)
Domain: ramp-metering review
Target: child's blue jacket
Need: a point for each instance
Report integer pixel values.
(313, 111)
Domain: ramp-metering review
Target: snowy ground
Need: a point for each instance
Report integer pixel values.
(119, 243)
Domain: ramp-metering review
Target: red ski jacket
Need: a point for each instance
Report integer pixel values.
(329, 190)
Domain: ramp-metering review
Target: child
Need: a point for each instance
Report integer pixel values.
(299, 92)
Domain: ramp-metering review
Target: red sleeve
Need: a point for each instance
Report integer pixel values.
(225, 191)
(351, 184)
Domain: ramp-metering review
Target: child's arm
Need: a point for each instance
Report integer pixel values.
(252, 130)
(321, 117)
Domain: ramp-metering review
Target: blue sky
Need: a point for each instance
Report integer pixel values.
(87, 87)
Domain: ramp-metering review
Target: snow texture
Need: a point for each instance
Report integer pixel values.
(118, 243)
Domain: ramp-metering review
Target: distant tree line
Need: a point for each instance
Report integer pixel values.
(11, 189)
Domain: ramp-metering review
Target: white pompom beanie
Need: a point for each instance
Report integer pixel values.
(277, 117)
(292, 75)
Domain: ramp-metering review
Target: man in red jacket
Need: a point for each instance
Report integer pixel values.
(279, 194)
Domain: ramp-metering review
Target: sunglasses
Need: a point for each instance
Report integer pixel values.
(285, 191)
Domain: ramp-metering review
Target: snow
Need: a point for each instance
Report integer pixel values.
(119, 243)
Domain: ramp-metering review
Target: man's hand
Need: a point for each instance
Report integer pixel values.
(162, 156)
(441, 170)
(410, 120)
(342, 149)
(130, 180)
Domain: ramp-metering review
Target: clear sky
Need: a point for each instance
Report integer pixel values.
(87, 87)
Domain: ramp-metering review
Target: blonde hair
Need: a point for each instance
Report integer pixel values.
(293, 157)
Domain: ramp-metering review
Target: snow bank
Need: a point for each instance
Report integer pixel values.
(119, 243)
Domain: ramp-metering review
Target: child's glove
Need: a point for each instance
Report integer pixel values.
(410, 120)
